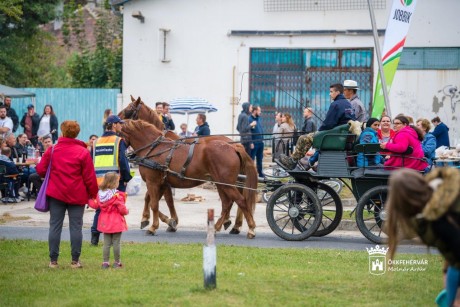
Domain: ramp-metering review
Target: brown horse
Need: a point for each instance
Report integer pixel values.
(137, 109)
(181, 165)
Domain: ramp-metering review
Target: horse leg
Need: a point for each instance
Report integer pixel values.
(236, 196)
(226, 206)
(238, 222)
(174, 220)
(146, 212)
(154, 192)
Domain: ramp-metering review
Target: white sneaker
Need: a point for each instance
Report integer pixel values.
(20, 198)
(23, 189)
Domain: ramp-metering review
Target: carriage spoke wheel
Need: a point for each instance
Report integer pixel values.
(371, 214)
(332, 209)
(294, 212)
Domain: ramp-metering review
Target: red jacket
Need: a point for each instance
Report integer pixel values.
(402, 140)
(72, 178)
(113, 211)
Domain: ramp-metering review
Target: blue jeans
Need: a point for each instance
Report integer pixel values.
(57, 214)
(313, 159)
(257, 154)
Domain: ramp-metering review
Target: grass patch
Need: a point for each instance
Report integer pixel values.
(165, 274)
(7, 217)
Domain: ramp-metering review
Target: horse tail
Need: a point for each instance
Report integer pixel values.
(248, 168)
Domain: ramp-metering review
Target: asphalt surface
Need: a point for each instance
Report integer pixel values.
(24, 222)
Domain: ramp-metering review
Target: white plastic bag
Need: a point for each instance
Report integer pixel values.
(134, 186)
(440, 151)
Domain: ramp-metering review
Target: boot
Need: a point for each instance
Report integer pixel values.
(288, 162)
(95, 238)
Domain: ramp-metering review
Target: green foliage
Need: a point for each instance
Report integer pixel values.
(99, 67)
(31, 61)
(171, 275)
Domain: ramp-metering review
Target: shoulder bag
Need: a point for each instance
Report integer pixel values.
(41, 203)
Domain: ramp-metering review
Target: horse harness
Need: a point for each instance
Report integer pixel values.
(147, 162)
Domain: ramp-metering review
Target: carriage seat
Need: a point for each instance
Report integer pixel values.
(335, 139)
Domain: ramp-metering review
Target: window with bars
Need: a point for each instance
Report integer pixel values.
(430, 58)
(320, 5)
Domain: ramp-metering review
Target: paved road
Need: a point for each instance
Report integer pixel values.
(27, 223)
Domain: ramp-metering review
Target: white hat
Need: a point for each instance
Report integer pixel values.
(350, 84)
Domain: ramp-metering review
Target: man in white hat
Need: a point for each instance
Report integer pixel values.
(350, 87)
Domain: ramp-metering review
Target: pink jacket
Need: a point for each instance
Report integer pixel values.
(402, 140)
(113, 211)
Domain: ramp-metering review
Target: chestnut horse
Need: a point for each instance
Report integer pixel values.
(181, 165)
(137, 109)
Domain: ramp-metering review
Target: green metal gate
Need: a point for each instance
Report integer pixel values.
(287, 80)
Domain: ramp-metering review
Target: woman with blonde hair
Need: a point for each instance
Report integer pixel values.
(430, 208)
(285, 133)
(429, 140)
(72, 182)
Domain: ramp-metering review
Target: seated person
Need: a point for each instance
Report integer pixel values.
(339, 113)
(429, 140)
(35, 179)
(12, 173)
(405, 136)
(21, 144)
(369, 136)
(11, 142)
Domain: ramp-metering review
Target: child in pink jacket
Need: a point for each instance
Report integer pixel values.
(112, 217)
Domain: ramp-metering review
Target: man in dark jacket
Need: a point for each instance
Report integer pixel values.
(244, 128)
(339, 113)
(30, 122)
(309, 125)
(104, 153)
(202, 127)
(257, 146)
(441, 132)
(11, 113)
(167, 119)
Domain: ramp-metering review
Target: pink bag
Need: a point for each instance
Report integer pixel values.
(41, 203)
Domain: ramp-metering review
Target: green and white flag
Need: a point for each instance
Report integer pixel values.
(395, 38)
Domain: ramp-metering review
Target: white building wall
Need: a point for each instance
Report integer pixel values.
(206, 62)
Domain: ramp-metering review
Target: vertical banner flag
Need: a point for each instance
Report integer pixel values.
(395, 38)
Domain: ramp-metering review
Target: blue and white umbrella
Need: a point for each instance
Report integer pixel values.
(190, 105)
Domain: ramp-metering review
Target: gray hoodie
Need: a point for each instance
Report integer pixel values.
(243, 124)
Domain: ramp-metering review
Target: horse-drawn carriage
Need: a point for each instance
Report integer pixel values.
(308, 207)
(295, 211)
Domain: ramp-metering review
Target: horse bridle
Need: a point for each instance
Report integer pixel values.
(135, 111)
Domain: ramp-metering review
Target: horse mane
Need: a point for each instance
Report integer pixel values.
(140, 125)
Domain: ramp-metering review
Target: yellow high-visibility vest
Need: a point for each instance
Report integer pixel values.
(105, 156)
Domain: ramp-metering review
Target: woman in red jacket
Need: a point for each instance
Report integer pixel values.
(405, 136)
(72, 182)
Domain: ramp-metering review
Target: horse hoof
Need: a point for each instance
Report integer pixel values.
(234, 231)
(144, 224)
(227, 224)
(171, 229)
(251, 235)
(149, 233)
(172, 223)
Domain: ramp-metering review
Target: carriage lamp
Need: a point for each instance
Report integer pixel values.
(138, 15)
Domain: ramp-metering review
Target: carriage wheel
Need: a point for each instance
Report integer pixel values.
(332, 209)
(294, 212)
(334, 183)
(371, 214)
